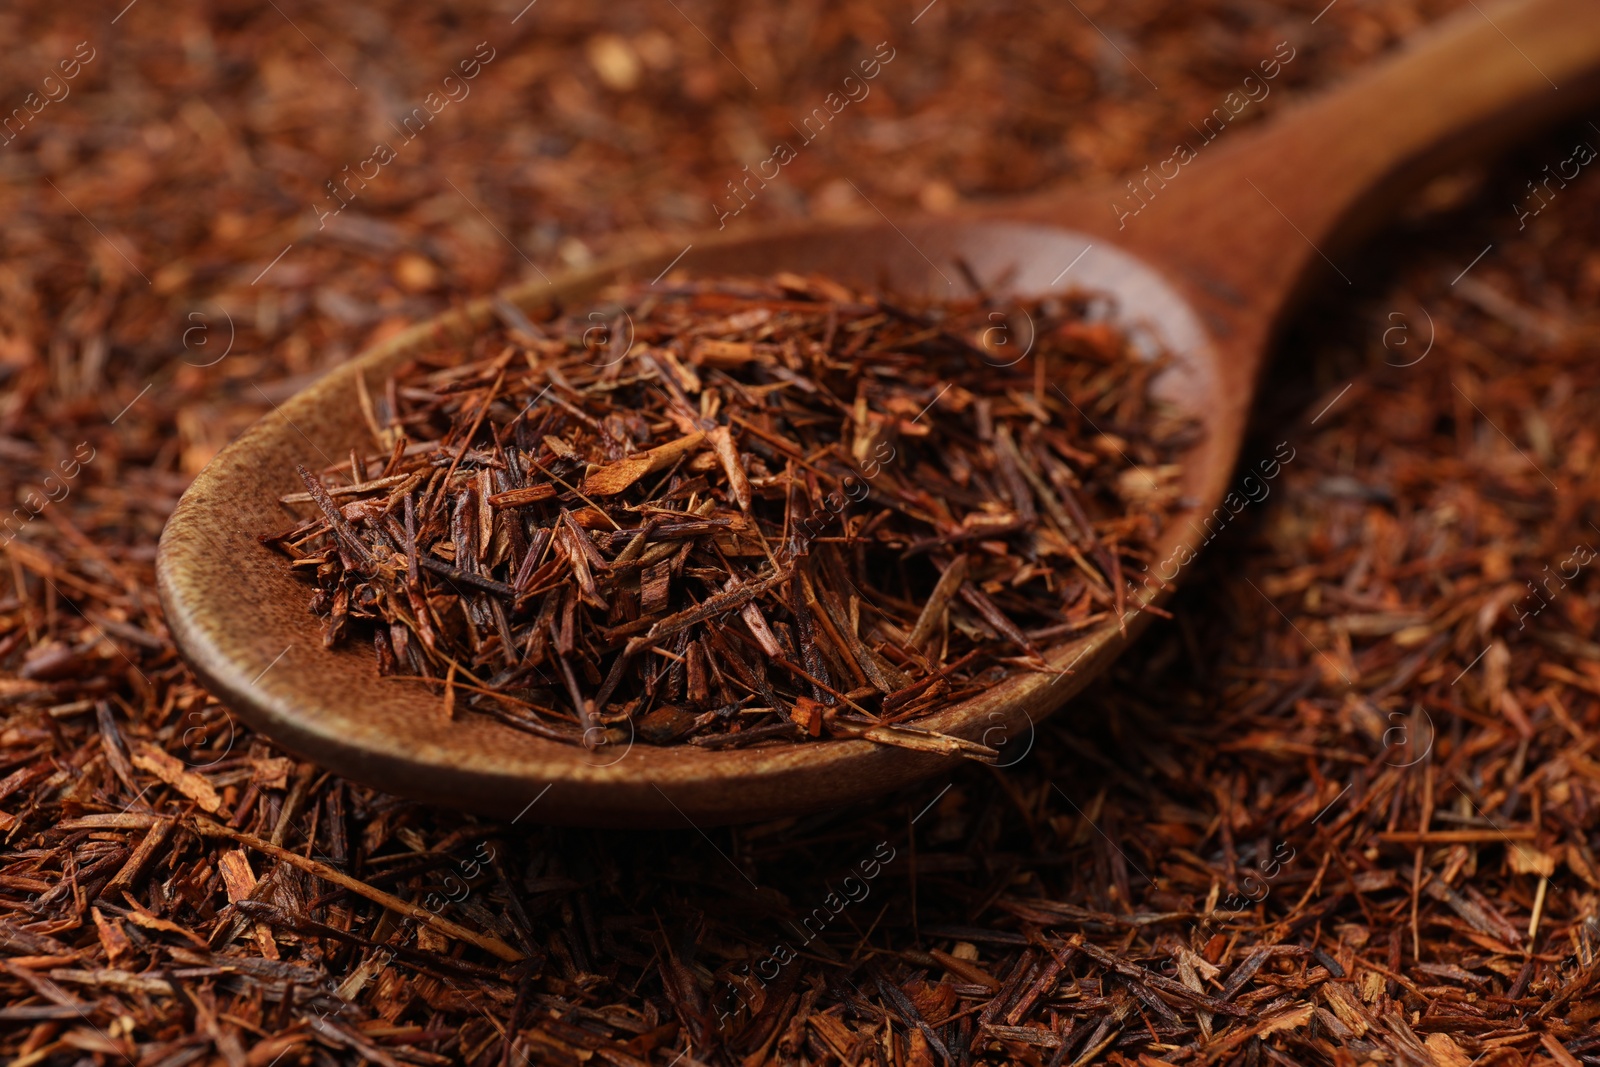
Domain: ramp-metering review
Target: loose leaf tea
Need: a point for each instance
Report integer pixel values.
(745, 511)
(1396, 860)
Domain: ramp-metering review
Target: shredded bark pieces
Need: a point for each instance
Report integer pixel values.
(1396, 861)
(783, 511)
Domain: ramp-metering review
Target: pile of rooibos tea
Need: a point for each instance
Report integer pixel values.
(743, 511)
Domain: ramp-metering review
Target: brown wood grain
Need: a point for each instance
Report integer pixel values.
(1211, 266)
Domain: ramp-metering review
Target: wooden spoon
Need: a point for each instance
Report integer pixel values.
(1217, 251)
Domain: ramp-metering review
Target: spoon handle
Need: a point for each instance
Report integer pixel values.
(1254, 219)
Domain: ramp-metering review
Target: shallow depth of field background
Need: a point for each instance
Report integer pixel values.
(1344, 807)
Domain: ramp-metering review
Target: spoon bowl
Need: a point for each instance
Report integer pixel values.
(243, 622)
(1204, 272)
